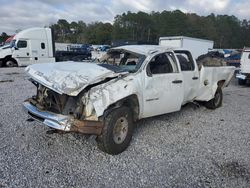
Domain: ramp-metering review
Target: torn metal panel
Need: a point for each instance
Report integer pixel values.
(102, 96)
(89, 110)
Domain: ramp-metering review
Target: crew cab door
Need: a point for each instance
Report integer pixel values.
(190, 74)
(163, 86)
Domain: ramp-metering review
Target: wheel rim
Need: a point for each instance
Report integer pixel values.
(120, 130)
(10, 64)
(217, 99)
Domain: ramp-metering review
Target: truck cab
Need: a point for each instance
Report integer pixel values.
(29, 46)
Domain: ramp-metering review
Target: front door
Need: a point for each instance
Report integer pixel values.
(22, 52)
(163, 87)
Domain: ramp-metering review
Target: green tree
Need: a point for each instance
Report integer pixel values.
(226, 31)
(3, 37)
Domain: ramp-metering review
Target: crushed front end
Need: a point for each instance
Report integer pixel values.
(63, 112)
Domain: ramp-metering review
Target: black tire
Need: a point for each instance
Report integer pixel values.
(109, 141)
(241, 82)
(10, 63)
(216, 102)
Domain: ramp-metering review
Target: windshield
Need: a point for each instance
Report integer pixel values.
(122, 61)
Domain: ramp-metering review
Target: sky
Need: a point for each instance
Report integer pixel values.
(22, 14)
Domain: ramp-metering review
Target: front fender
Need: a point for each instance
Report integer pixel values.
(102, 96)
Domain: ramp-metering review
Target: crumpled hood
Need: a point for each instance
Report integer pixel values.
(68, 77)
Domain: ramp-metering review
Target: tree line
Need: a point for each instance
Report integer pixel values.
(226, 31)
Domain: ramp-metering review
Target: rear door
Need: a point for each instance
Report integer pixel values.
(190, 74)
(163, 86)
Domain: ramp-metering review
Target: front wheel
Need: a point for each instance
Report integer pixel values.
(216, 102)
(117, 131)
(10, 63)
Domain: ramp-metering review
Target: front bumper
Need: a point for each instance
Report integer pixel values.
(63, 122)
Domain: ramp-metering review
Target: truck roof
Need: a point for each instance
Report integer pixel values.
(144, 49)
(184, 37)
(32, 33)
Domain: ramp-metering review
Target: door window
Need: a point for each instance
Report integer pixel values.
(161, 64)
(22, 44)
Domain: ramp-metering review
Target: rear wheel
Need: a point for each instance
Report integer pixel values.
(241, 82)
(117, 131)
(10, 63)
(216, 102)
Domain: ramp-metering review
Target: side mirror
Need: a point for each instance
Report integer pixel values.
(16, 48)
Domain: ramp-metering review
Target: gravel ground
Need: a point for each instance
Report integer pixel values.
(195, 147)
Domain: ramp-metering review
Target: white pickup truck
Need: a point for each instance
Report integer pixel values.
(129, 83)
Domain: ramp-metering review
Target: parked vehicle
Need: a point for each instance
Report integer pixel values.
(244, 74)
(103, 48)
(27, 47)
(196, 46)
(130, 83)
(36, 45)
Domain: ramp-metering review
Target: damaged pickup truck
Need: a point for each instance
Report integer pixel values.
(130, 83)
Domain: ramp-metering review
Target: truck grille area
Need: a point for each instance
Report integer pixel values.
(51, 101)
(48, 100)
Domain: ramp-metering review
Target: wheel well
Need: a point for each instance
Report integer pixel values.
(130, 102)
(8, 58)
(221, 83)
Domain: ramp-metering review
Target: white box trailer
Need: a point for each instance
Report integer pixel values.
(195, 45)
